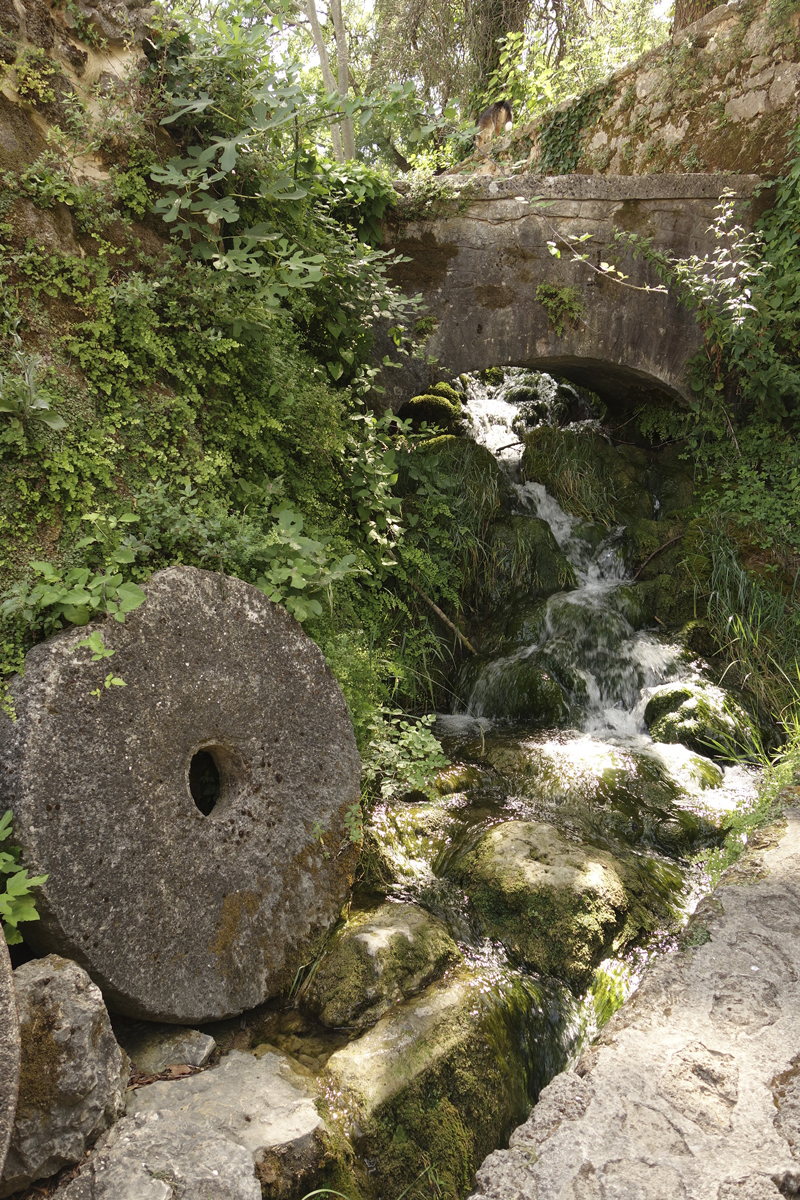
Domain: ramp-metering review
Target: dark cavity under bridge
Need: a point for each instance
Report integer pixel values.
(479, 260)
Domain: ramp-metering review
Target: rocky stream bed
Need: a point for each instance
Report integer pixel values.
(496, 928)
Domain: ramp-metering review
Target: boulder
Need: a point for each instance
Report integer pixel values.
(523, 561)
(380, 959)
(158, 1156)
(438, 1080)
(73, 1075)
(177, 816)
(9, 1051)
(557, 906)
(518, 688)
(262, 1101)
(702, 717)
(153, 1048)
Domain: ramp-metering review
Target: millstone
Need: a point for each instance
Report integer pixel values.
(9, 1051)
(192, 822)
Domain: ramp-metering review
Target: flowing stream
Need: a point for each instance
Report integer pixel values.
(548, 742)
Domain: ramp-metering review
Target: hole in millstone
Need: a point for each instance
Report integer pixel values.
(204, 781)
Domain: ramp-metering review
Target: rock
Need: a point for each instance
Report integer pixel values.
(557, 906)
(692, 1089)
(73, 1074)
(523, 562)
(439, 1078)
(705, 718)
(157, 1156)
(440, 410)
(152, 1049)
(176, 816)
(9, 1051)
(380, 959)
(263, 1103)
(518, 688)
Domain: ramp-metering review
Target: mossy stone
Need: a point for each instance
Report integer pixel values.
(441, 1081)
(523, 562)
(449, 393)
(518, 689)
(556, 906)
(378, 960)
(433, 410)
(702, 717)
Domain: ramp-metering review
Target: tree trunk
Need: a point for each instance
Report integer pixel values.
(327, 73)
(342, 58)
(687, 11)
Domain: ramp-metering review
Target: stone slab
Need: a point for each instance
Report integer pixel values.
(179, 916)
(9, 1051)
(158, 1156)
(263, 1103)
(692, 1091)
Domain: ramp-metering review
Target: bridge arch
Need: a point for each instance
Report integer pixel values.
(481, 261)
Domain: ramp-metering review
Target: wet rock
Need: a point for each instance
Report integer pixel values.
(557, 906)
(519, 688)
(378, 961)
(9, 1051)
(702, 717)
(459, 777)
(73, 1074)
(155, 1048)
(691, 1090)
(261, 1101)
(438, 1079)
(157, 1156)
(175, 816)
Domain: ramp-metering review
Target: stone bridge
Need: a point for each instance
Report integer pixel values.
(479, 261)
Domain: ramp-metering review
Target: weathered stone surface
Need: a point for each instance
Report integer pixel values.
(155, 1048)
(177, 915)
(439, 1078)
(692, 1089)
(9, 1051)
(73, 1074)
(158, 1156)
(263, 1103)
(379, 960)
(555, 905)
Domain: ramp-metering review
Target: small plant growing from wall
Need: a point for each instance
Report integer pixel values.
(562, 305)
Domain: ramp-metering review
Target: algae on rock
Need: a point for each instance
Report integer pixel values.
(379, 959)
(556, 906)
(438, 1082)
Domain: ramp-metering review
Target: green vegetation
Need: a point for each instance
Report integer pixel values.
(16, 902)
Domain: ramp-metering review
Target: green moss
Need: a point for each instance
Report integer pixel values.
(556, 906)
(41, 1060)
(434, 410)
(523, 560)
(449, 393)
(494, 376)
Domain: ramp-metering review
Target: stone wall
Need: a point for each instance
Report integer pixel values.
(722, 95)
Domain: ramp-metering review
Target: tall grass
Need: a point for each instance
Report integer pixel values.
(758, 629)
(569, 467)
